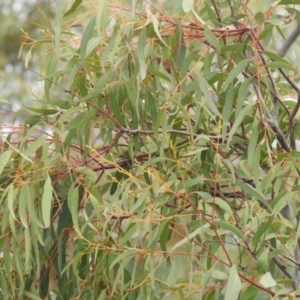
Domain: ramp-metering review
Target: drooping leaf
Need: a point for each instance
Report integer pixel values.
(211, 39)
(235, 72)
(234, 284)
(46, 202)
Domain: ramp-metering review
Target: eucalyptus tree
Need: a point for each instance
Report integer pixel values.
(161, 162)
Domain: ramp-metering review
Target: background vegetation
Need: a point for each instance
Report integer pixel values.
(161, 160)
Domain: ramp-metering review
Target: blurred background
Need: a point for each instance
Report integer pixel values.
(18, 85)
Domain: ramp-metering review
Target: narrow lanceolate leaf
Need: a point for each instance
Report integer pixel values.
(282, 202)
(262, 230)
(73, 205)
(229, 227)
(204, 87)
(85, 39)
(46, 202)
(101, 19)
(205, 281)
(141, 56)
(262, 262)
(211, 39)
(237, 122)
(250, 293)
(28, 250)
(234, 285)
(227, 110)
(73, 7)
(23, 198)
(235, 72)
(120, 257)
(243, 90)
(34, 146)
(11, 194)
(5, 157)
(254, 193)
(58, 24)
(156, 29)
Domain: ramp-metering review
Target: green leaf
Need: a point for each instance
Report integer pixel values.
(260, 17)
(235, 72)
(23, 205)
(165, 235)
(31, 296)
(188, 183)
(219, 275)
(249, 189)
(284, 2)
(102, 18)
(205, 280)
(88, 172)
(11, 194)
(229, 227)
(227, 109)
(77, 120)
(190, 236)
(43, 111)
(46, 202)
(281, 201)
(236, 47)
(156, 29)
(51, 68)
(97, 89)
(222, 204)
(240, 118)
(243, 90)
(120, 257)
(172, 277)
(84, 41)
(187, 5)
(229, 165)
(280, 65)
(73, 198)
(249, 293)
(34, 146)
(275, 57)
(262, 262)
(5, 157)
(211, 39)
(267, 280)
(73, 7)
(157, 73)
(234, 284)
(31, 207)
(151, 104)
(57, 25)
(141, 55)
(204, 87)
(28, 249)
(262, 230)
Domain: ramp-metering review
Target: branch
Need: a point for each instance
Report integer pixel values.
(290, 40)
(292, 116)
(284, 270)
(272, 121)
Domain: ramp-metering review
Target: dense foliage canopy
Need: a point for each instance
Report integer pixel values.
(161, 162)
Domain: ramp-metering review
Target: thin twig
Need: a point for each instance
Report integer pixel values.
(284, 270)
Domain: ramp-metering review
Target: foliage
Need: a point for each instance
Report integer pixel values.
(161, 162)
